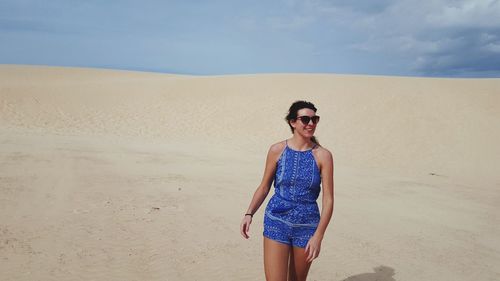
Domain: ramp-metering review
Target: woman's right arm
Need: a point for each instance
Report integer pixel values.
(263, 189)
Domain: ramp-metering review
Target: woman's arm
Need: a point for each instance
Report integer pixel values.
(264, 187)
(314, 245)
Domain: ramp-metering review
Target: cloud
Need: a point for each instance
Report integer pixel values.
(437, 38)
(289, 23)
(466, 51)
(467, 14)
(492, 47)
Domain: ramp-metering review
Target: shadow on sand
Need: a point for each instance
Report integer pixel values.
(381, 273)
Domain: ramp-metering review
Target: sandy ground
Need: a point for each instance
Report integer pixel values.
(115, 175)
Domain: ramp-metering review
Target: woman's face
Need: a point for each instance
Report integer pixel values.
(306, 130)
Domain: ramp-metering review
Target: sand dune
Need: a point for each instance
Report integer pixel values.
(119, 175)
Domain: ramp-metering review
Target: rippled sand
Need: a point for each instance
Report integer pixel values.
(115, 175)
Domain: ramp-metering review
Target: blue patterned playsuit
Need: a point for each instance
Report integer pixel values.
(292, 214)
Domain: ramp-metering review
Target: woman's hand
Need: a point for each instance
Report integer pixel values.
(313, 248)
(245, 226)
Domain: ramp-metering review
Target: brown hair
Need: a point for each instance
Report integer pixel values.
(292, 114)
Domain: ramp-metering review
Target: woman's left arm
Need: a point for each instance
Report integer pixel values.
(326, 165)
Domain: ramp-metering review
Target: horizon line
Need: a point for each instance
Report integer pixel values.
(156, 71)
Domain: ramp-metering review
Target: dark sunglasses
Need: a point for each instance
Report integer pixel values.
(306, 119)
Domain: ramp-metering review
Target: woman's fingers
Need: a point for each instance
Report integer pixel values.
(310, 255)
(241, 230)
(309, 252)
(313, 253)
(245, 228)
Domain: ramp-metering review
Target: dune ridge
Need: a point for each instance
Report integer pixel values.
(412, 123)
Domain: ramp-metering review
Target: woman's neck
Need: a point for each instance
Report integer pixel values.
(301, 143)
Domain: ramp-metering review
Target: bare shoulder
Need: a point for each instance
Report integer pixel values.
(323, 155)
(277, 148)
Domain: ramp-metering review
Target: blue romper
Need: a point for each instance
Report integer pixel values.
(292, 214)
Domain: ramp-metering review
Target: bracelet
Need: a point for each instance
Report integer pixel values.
(251, 215)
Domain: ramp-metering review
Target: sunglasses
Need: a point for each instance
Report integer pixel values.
(306, 119)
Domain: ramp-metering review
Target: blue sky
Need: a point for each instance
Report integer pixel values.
(438, 38)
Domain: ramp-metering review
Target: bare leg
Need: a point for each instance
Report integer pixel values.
(275, 260)
(299, 267)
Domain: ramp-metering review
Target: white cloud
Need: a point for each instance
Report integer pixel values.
(289, 23)
(434, 37)
(492, 47)
(478, 13)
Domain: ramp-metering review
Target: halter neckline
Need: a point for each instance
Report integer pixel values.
(310, 149)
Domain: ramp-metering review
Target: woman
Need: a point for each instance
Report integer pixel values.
(293, 227)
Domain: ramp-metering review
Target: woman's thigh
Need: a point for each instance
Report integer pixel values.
(299, 267)
(276, 255)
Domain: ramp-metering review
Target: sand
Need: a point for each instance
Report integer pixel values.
(121, 175)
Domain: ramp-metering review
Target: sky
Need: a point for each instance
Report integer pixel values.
(430, 38)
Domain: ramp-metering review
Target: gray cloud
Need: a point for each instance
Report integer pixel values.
(436, 38)
(470, 52)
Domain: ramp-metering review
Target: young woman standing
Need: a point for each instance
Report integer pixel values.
(293, 225)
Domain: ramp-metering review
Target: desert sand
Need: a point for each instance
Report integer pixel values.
(121, 175)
